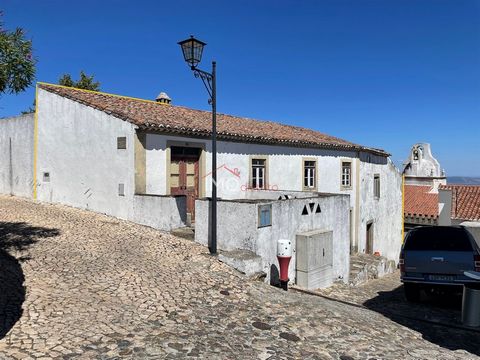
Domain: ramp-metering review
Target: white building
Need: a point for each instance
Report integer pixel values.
(422, 168)
(429, 200)
(147, 161)
(423, 176)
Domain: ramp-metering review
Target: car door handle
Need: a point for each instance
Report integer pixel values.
(437, 259)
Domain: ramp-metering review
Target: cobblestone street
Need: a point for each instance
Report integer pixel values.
(75, 284)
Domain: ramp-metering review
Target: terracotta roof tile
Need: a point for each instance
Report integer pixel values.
(420, 201)
(465, 201)
(149, 115)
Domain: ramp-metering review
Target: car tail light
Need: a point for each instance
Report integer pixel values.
(476, 261)
(401, 263)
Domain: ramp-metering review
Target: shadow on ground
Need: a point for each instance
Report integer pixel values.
(445, 308)
(18, 237)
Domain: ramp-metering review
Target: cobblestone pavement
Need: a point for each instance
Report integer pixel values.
(101, 288)
(387, 296)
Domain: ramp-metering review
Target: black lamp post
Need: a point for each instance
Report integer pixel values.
(192, 52)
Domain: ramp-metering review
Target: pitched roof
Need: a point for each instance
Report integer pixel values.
(465, 201)
(420, 201)
(153, 116)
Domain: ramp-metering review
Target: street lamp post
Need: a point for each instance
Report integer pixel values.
(192, 52)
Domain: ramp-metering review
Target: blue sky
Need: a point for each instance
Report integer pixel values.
(380, 73)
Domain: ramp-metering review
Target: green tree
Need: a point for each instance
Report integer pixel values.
(17, 65)
(85, 82)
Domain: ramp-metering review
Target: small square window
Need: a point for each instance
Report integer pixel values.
(121, 143)
(264, 215)
(46, 177)
(121, 189)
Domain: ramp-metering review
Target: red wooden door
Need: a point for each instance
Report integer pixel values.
(184, 179)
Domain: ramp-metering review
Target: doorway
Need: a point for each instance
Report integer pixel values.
(369, 245)
(184, 174)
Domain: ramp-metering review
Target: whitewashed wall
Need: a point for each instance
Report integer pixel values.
(385, 212)
(285, 173)
(77, 146)
(160, 212)
(16, 161)
(284, 166)
(238, 228)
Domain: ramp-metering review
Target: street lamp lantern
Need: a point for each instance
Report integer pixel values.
(192, 51)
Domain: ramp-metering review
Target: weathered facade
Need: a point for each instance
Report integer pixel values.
(16, 155)
(291, 215)
(149, 161)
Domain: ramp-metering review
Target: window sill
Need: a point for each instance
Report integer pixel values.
(345, 188)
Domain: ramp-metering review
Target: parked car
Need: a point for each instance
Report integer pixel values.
(436, 257)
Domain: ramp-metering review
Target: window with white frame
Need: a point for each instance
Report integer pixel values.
(376, 186)
(346, 173)
(309, 170)
(258, 173)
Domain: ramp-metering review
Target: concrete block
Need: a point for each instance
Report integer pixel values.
(244, 261)
(316, 279)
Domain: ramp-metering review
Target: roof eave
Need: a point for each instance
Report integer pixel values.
(231, 137)
(254, 139)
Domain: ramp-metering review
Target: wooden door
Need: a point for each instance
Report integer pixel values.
(369, 247)
(191, 184)
(184, 177)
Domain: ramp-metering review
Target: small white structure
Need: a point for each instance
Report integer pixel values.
(149, 161)
(429, 200)
(422, 168)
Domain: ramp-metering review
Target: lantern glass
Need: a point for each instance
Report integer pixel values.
(192, 50)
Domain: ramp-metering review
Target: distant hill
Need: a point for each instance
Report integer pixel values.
(464, 180)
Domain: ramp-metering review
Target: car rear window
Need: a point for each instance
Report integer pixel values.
(438, 238)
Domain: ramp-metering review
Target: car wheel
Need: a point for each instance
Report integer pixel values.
(412, 292)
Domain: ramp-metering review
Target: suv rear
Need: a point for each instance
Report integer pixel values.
(436, 257)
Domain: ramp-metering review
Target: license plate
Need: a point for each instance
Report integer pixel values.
(441, 277)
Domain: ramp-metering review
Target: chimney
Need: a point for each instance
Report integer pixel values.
(163, 98)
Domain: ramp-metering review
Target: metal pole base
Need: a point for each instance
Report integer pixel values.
(284, 284)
